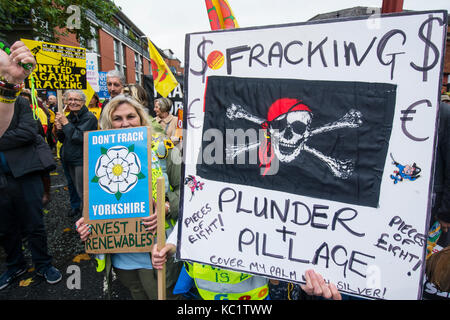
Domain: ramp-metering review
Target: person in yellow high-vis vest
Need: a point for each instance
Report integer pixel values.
(135, 270)
(213, 283)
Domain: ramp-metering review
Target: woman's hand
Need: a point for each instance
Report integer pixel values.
(159, 258)
(150, 222)
(316, 285)
(84, 230)
(60, 120)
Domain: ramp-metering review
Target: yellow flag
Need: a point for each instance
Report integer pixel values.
(163, 79)
(89, 93)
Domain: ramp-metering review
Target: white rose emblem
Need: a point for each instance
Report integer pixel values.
(118, 170)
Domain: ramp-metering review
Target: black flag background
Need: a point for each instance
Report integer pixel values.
(149, 87)
(308, 174)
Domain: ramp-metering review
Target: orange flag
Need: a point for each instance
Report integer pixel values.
(163, 79)
(220, 15)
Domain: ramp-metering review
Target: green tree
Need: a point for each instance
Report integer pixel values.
(49, 19)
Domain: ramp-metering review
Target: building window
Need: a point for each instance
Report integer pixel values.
(138, 77)
(139, 67)
(93, 43)
(136, 61)
(124, 60)
(119, 57)
(117, 51)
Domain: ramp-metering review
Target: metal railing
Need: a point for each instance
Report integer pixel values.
(119, 35)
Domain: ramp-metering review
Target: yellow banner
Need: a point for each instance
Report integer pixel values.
(163, 79)
(59, 67)
(89, 93)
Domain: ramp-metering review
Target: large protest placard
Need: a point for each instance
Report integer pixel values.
(92, 75)
(59, 67)
(176, 95)
(118, 189)
(103, 88)
(311, 145)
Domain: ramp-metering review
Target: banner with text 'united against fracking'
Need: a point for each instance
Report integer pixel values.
(59, 67)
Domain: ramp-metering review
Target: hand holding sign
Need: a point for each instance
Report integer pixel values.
(83, 229)
(316, 285)
(161, 213)
(150, 223)
(159, 257)
(60, 120)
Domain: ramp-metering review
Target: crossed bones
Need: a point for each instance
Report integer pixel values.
(288, 143)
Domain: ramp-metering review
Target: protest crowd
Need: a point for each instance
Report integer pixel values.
(63, 131)
(34, 131)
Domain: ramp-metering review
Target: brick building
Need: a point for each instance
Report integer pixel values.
(122, 46)
(173, 62)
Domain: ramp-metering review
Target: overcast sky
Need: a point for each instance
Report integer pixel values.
(167, 22)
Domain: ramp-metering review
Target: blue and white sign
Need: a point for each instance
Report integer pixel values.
(102, 87)
(92, 70)
(118, 174)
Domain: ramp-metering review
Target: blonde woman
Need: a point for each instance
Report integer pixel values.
(140, 95)
(135, 270)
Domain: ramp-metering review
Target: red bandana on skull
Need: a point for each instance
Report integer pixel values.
(278, 108)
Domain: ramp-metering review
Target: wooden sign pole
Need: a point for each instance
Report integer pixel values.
(161, 233)
(59, 96)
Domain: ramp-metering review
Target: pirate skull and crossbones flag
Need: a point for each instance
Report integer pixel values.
(322, 139)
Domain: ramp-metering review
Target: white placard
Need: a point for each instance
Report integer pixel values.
(346, 187)
(92, 70)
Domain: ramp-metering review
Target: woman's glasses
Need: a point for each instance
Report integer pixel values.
(73, 100)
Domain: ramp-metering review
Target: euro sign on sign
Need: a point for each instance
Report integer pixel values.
(59, 67)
